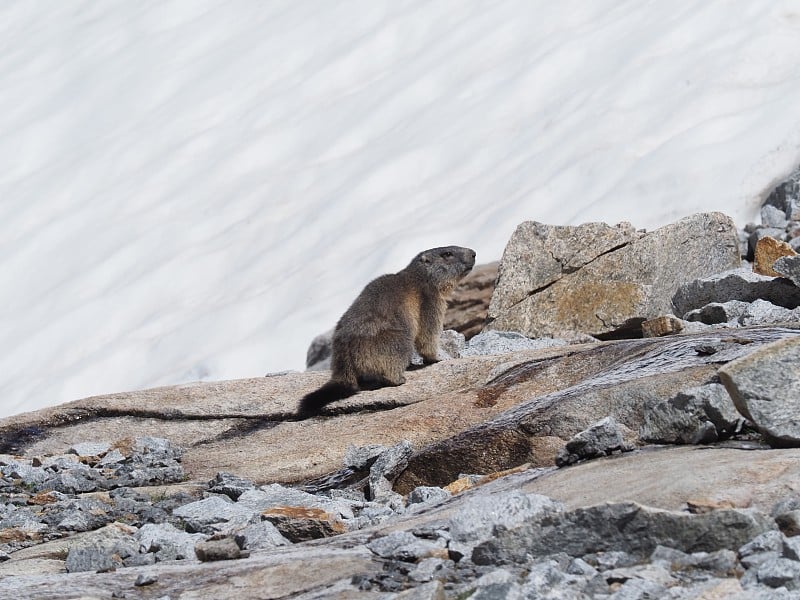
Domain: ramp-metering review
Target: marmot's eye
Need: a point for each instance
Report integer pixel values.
(447, 255)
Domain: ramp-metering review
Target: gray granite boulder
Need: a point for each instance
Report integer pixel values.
(765, 387)
(599, 439)
(621, 526)
(211, 514)
(596, 279)
(735, 284)
(167, 542)
(789, 266)
(702, 414)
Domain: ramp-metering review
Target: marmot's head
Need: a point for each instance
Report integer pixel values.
(445, 265)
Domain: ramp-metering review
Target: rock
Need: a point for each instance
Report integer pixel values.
(619, 527)
(737, 284)
(83, 514)
(298, 524)
(219, 547)
(433, 590)
(780, 572)
(600, 439)
(468, 305)
(270, 496)
(229, 484)
(722, 563)
(789, 266)
(260, 535)
(791, 548)
(789, 522)
(715, 313)
(428, 495)
(763, 547)
(761, 233)
(698, 415)
(765, 387)
(167, 542)
(767, 251)
(786, 196)
(663, 325)
(144, 579)
(362, 457)
(318, 355)
(479, 518)
(91, 450)
(151, 451)
(207, 515)
(103, 550)
(548, 579)
(403, 545)
(503, 342)
(428, 568)
(389, 464)
(598, 279)
(451, 344)
(773, 217)
(761, 312)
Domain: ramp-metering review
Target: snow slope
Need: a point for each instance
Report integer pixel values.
(194, 189)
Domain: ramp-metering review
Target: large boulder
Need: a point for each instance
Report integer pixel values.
(598, 279)
(765, 387)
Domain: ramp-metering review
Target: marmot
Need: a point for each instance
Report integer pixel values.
(374, 340)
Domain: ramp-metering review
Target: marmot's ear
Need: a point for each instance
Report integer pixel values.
(424, 258)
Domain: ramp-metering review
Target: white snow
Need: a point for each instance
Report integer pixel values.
(194, 189)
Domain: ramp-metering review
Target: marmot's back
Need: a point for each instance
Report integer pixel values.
(374, 340)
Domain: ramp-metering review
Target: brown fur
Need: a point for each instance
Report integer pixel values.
(374, 340)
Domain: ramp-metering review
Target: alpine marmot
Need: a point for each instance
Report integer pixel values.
(374, 340)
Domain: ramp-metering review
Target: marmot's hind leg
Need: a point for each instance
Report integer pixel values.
(385, 360)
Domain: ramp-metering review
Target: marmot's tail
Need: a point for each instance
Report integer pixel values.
(312, 403)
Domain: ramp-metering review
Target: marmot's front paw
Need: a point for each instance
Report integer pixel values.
(429, 360)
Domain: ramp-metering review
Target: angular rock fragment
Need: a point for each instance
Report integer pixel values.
(737, 284)
(600, 439)
(219, 547)
(767, 251)
(715, 313)
(765, 388)
(208, 515)
(389, 464)
(102, 550)
(405, 546)
(698, 415)
(621, 527)
(229, 484)
(167, 542)
(789, 266)
(299, 524)
(428, 495)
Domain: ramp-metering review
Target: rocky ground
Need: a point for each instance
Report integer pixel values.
(639, 441)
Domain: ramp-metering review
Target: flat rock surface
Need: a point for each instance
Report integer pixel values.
(669, 477)
(492, 412)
